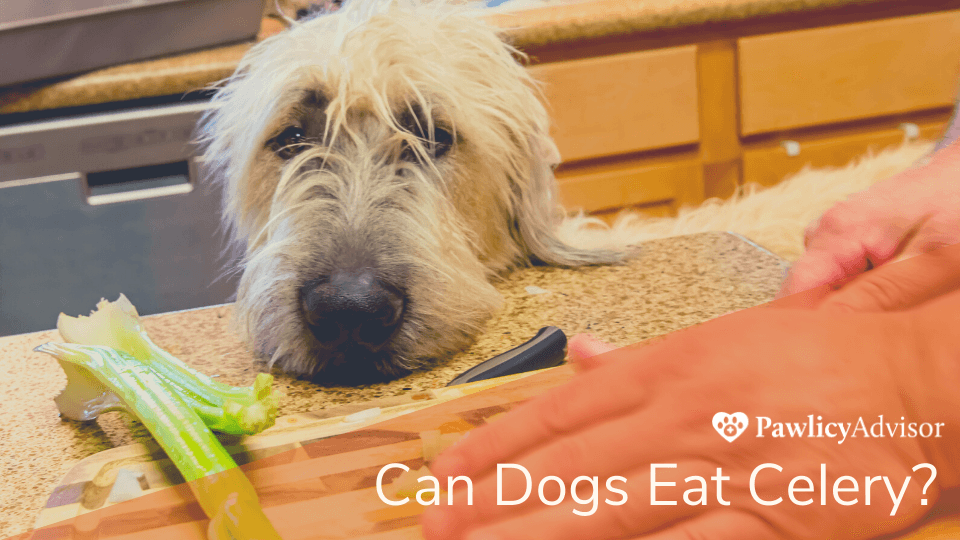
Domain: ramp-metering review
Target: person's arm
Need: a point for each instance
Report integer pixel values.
(937, 382)
(655, 404)
(929, 285)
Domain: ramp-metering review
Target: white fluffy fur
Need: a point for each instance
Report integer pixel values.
(773, 217)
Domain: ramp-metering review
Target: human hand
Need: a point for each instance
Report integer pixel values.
(911, 213)
(900, 286)
(584, 352)
(893, 287)
(655, 404)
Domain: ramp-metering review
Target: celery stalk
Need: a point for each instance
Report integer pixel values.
(240, 411)
(176, 426)
(219, 486)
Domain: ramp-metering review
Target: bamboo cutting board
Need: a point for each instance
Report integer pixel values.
(311, 464)
(315, 473)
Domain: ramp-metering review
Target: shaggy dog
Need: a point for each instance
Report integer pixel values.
(382, 165)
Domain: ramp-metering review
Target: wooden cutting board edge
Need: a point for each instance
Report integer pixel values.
(87, 485)
(307, 427)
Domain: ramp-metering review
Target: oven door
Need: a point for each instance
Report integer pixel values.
(98, 205)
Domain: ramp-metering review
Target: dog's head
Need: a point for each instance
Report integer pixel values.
(380, 165)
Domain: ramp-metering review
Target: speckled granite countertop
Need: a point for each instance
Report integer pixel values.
(533, 25)
(675, 283)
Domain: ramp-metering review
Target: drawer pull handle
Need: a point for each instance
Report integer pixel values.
(911, 131)
(139, 183)
(791, 147)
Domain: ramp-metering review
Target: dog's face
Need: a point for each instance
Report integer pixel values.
(381, 165)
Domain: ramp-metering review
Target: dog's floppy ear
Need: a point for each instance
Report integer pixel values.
(538, 213)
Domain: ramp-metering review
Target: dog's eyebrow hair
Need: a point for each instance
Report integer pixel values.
(412, 118)
(311, 104)
(315, 98)
(308, 100)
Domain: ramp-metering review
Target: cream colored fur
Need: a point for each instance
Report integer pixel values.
(773, 217)
(371, 86)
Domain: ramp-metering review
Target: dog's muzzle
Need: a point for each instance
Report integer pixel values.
(350, 308)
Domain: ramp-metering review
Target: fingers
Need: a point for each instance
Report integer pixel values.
(825, 266)
(596, 507)
(900, 285)
(873, 227)
(807, 299)
(834, 259)
(853, 237)
(597, 451)
(585, 352)
(589, 398)
(718, 525)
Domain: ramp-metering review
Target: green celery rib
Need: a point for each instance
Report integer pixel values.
(234, 418)
(174, 424)
(118, 325)
(223, 491)
(200, 385)
(228, 409)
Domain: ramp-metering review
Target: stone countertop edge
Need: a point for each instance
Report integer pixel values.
(603, 18)
(674, 283)
(537, 26)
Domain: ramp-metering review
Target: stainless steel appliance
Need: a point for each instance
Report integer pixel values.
(46, 38)
(99, 203)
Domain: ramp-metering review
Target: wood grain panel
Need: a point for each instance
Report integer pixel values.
(597, 189)
(768, 163)
(720, 147)
(622, 103)
(847, 72)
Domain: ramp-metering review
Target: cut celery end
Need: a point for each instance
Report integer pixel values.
(117, 325)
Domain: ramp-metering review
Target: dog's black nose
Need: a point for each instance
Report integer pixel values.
(352, 305)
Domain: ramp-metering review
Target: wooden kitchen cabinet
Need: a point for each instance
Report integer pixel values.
(662, 124)
(767, 163)
(622, 103)
(848, 72)
(670, 182)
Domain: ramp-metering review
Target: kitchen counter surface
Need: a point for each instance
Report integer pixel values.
(674, 284)
(533, 25)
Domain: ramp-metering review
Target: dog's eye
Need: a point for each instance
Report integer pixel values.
(289, 142)
(442, 142)
(440, 145)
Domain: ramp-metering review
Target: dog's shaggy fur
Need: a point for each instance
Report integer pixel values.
(405, 140)
(394, 138)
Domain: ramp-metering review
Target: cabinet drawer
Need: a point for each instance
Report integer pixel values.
(610, 187)
(768, 164)
(622, 103)
(846, 72)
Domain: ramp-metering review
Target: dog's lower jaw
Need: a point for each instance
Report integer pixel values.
(269, 321)
(356, 366)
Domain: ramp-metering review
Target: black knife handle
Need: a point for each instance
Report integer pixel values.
(547, 349)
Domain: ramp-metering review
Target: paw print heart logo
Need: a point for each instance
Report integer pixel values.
(730, 426)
